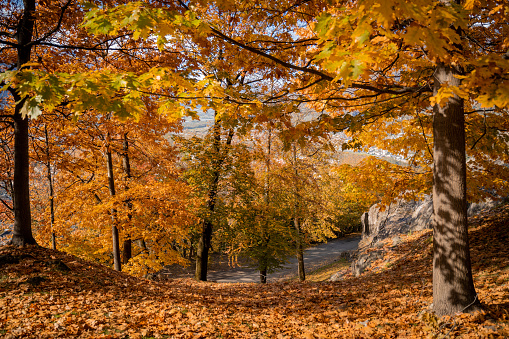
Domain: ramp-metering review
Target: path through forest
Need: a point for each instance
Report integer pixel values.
(314, 258)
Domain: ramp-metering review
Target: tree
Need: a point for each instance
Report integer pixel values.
(21, 66)
(206, 167)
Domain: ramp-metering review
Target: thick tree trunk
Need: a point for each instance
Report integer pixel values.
(202, 252)
(114, 230)
(453, 287)
(22, 230)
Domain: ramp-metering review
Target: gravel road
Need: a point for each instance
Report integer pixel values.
(314, 258)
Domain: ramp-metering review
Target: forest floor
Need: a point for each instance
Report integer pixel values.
(40, 297)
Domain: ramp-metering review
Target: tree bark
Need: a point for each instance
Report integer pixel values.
(127, 247)
(296, 222)
(263, 274)
(202, 252)
(51, 191)
(262, 262)
(114, 230)
(299, 250)
(127, 252)
(453, 287)
(22, 230)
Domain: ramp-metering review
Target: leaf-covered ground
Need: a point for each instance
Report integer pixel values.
(39, 298)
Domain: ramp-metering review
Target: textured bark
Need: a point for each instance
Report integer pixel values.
(114, 230)
(202, 252)
(453, 287)
(22, 230)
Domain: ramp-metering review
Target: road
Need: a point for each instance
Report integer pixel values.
(314, 258)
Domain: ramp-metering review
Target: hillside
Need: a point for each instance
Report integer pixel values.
(48, 294)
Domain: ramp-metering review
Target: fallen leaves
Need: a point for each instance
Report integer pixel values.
(37, 300)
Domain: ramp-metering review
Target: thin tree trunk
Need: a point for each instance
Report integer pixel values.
(453, 287)
(263, 262)
(51, 192)
(22, 230)
(127, 248)
(114, 230)
(296, 222)
(299, 250)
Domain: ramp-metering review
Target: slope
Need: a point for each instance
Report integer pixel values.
(48, 294)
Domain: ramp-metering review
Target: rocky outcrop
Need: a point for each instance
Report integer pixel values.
(388, 222)
(382, 222)
(403, 217)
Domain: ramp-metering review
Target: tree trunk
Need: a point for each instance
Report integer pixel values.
(263, 273)
(202, 252)
(114, 230)
(265, 223)
(127, 248)
(299, 250)
(296, 221)
(51, 192)
(22, 230)
(127, 251)
(453, 287)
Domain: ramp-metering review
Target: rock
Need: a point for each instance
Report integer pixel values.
(396, 240)
(400, 217)
(364, 260)
(338, 276)
(478, 207)
(365, 223)
(346, 255)
(403, 217)
(390, 222)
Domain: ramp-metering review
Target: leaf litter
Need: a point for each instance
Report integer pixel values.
(50, 294)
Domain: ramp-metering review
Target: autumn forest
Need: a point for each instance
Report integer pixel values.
(136, 136)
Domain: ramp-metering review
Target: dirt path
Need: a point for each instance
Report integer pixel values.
(314, 258)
